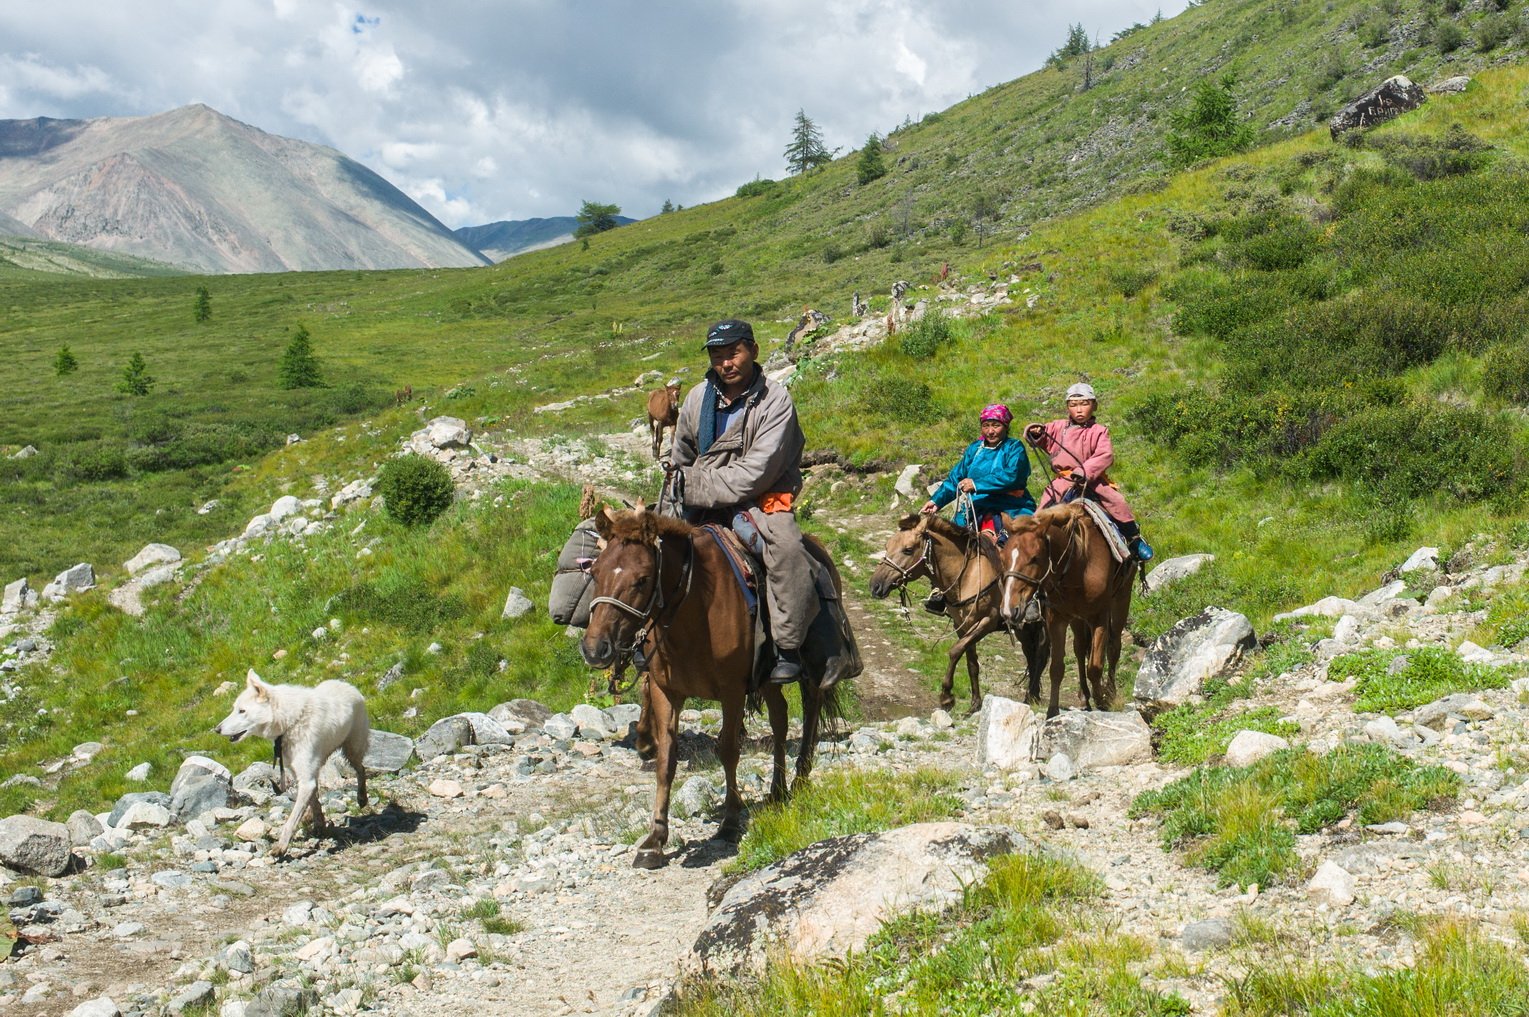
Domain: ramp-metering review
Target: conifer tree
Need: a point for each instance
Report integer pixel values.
(136, 380)
(1209, 126)
(806, 151)
(594, 217)
(299, 368)
(203, 304)
(65, 363)
(871, 166)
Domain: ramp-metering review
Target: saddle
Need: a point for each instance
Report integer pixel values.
(1111, 530)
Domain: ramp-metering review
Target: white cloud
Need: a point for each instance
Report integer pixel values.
(495, 109)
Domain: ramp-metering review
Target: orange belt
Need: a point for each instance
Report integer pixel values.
(1067, 471)
(776, 501)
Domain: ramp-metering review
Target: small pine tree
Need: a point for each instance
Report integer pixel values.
(136, 380)
(1210, 126)
(299, 368)
(668, 207)
(65, 363)
(203, 304)
(595, 217)
(871, 165)
(415, 489)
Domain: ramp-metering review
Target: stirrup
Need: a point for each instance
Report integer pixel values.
(935, 604)
(788, 667)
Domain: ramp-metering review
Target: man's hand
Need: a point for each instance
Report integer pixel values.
(929, 507)
(966, 484)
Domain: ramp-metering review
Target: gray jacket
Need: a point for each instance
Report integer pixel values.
(760, 456)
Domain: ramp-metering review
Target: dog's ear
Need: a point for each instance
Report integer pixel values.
(252, 681)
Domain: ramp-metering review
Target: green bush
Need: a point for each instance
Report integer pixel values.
(1492, 31)
(922, 339)
(415, 489)
(92, 461)
(1507, 372)
(897, 399)
(754, 188)
(398, 600)
(1448, 36)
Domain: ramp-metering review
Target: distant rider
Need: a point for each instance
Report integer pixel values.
(737, 450)
(993, 471)
(1081, 452)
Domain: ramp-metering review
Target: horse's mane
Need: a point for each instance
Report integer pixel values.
(629, 524)
(939, 524)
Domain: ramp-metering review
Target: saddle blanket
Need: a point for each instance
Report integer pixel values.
(1107, 526)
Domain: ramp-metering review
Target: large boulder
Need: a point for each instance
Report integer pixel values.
(1171, 570)
(388, 752)
(444, 737)
(827, 899)
(133, 798)
(1390, 99)
(1006, 733)
(197, 768)
(34, 846)
(1196, 648)
(448, 432)
(1094, 738)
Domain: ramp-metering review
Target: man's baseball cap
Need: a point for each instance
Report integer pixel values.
(725, 333)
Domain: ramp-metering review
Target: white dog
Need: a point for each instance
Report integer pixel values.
(312, 724)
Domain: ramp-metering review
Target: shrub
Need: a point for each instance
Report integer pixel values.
(65, 363)
(136, 380)
(93, 461)
(299, 368)
(909, 402)
(1492, 31)
(415, 489)
(1507, 372)
(1391, 680)
(1129, 280)
(1448, 36)
(754, 188)
(923, 338)
(399, 600)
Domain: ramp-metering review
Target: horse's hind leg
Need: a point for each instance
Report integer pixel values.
(1058, 666)
(775, 702)
(1081, 642)
(1104, 692)
(665, 712)
(947, 697)
(812, 711)
(1037, 648)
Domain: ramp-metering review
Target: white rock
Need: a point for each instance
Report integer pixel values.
(1059, 768)
(1171, 570)
(448, 432)
(101, 1006)
(139, 773)
(356, 490)
(1193, 650)
(458, 950)
(1089, 739)
(259, 526)
(1422, 558)
(1327, 607)
(1332, 885)
(905, 479)
(1390, 591)
(1473, 654)
(152, 554)
(284, 508)
(18, 597)
(75, 579)
(517, 604)
(1385, 731)
(1248, 747)
(1347, 630)
(1007, 732)
(144, 815)
(443, 787)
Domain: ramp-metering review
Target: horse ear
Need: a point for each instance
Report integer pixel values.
(908, 522)
(649, 527)
(603, 523)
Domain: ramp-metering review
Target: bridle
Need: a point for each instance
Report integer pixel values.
(648, 616)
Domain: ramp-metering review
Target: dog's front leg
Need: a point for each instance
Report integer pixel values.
(307, 794)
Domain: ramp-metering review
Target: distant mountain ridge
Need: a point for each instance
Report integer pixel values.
(199, 190)
(500, 240)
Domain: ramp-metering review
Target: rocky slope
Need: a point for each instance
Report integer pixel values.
(204, 192)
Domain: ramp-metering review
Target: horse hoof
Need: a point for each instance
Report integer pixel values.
(729, 834)
(947, 703)
(649, 859)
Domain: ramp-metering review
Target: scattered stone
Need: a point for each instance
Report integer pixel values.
(441, 787)
(1422, 558)
(83, 827)
(1007, 732)
(1327, 607)
(252, 830)
(1089, 739)
(695, 797)
(34, 846)
(560, 726)
(1332, 884)
(144, 816)
(591, 721)
(152, 554)
(1456, 84)
(444, 737)
(76, 579)
(283, 508)
(447, 432)
(1209, 934)
(388, 752)
(1248, 747)
(517, 604)
(905, 485)
(528, 712)
(1171, 570)
(101, 1006)
(1059, 768)
(18, 597)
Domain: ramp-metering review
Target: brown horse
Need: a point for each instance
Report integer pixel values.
(666, 588)
(663, 411)
(1059, 557)
(403, 395)
(929, 546)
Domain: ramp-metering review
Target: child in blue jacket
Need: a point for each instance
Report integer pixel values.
(993, 471)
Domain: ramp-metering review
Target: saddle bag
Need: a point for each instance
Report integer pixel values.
(572, 585)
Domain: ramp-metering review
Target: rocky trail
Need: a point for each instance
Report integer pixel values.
(495, 874)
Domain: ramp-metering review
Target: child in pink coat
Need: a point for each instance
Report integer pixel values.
(1081, 454)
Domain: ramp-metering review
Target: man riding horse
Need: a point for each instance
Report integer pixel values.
(736, 459)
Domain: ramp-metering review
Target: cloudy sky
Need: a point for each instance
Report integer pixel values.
(484, 110)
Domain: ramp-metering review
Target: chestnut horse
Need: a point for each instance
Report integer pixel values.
(1059, 557)
(665, 587)
(928, 546)
(663, 411)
